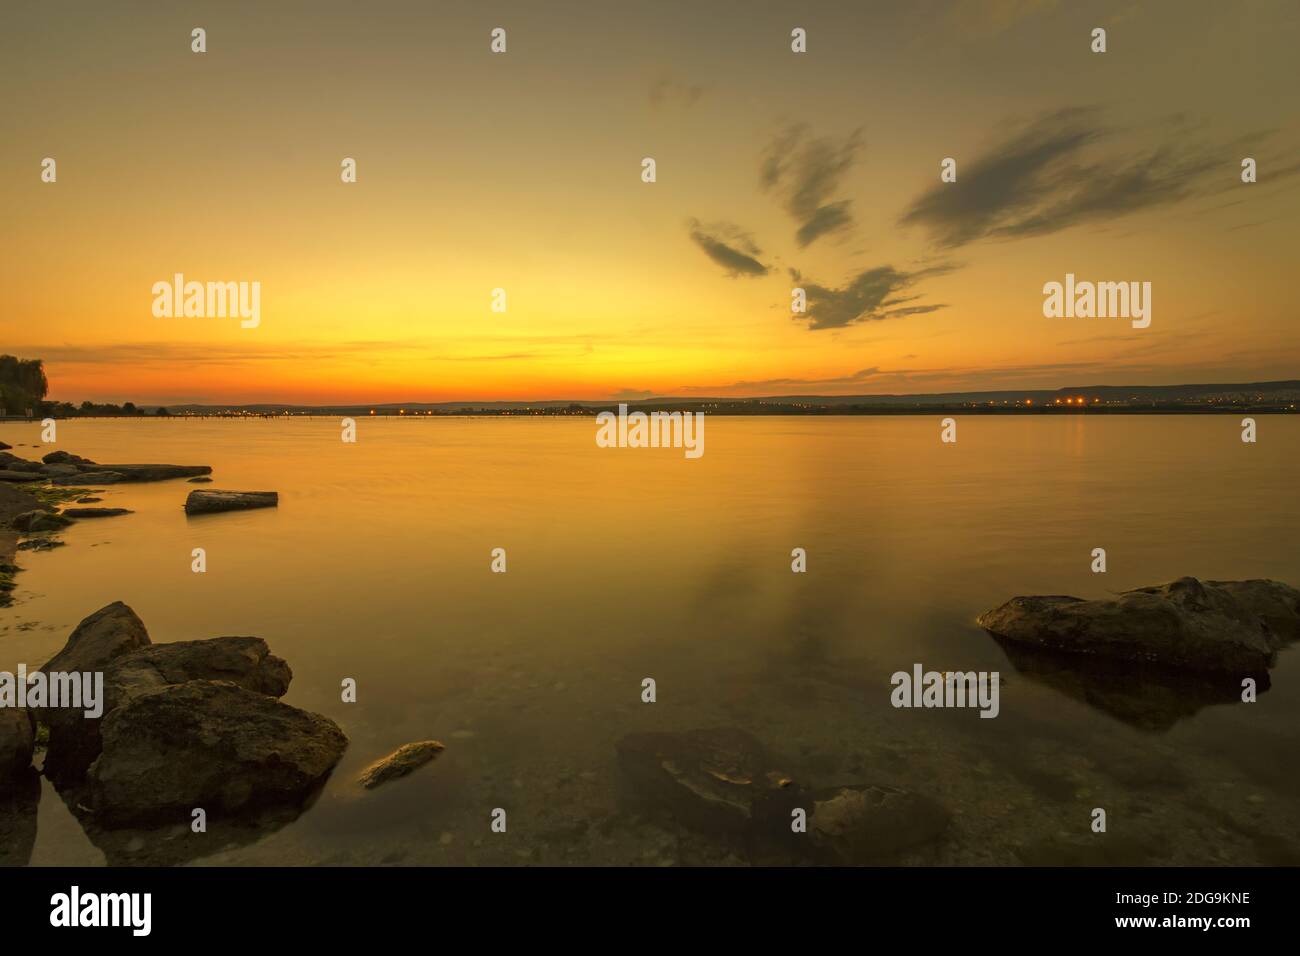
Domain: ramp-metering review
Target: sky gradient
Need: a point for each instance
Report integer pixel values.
(522, 171)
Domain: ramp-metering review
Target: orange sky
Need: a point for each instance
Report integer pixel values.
(522, 171)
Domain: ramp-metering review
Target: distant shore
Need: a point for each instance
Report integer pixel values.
(735, 411)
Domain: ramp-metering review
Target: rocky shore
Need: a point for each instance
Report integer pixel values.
(34, 499)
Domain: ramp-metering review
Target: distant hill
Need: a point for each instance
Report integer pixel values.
(1280, 395)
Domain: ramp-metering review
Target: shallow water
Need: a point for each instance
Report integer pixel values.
(625, 564)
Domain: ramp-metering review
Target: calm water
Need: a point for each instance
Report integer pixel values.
(625, 564)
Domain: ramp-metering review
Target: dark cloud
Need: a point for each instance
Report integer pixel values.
(805, 174)
(730, 247)
(870, 296)
(1040, 181)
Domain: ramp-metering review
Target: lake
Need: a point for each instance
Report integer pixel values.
(624, 564)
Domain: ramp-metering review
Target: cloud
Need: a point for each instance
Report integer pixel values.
(669, 91)
(632, 394)
(1042, 179)
(728, 246)
(870, 296)
(805, 174)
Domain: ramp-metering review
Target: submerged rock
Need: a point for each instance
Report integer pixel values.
(95, 512)
(40, 520)
(208, 744)
(868, 824)
(1151, 697)
(400, 762)
(201, 480)
(711, 779)
(1214, 626)
(720, 781)
(210, 502)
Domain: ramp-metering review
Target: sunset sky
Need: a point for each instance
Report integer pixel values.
(522, 171)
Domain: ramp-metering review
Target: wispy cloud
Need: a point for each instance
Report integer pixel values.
(730, 247)
(805, 173)
(870, 296)
(1060, 171)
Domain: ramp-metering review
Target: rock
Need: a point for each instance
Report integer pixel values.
(89, 478)
(4, 446)
(400, 762)
(88, 500)
(1148, 696)
(857, 825)
(34, 521)
(210, 502)
(65, 458)
(95, 512)
(14, 463)
(101, 638)
(712, 779)
(20, 476)
(59, 471)
(200, 480)
(208, 744)
(244, 661)
(1214, 626)
(17, 738)
(19, 801)
(148, 472)
(40, 544)
(14, 503)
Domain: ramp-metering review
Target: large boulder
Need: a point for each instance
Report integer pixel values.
(17, 738)
(1232, 627)
(75, 739)
(210, 745)
(107, 634)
